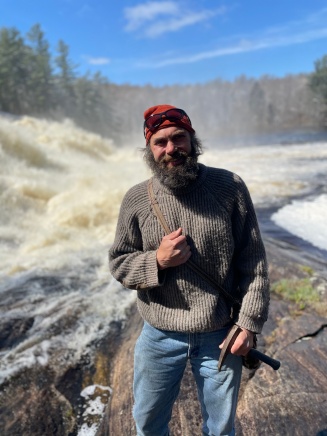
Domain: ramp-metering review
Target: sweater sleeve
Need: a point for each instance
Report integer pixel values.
(128, 263)
(251, 264)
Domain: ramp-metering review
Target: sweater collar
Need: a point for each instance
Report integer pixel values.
(201, 176)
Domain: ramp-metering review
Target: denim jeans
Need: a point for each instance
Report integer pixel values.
(159, 362)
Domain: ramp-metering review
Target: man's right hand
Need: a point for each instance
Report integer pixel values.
(173, 250)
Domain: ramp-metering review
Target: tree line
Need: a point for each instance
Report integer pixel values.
(34, 83)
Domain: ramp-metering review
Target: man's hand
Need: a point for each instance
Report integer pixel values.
(243, 343)
(173, 250)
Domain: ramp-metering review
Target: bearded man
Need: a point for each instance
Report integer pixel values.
(186, 317)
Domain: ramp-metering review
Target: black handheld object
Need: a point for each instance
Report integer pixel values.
(275, 364)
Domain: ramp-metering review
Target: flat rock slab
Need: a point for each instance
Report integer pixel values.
(293, 400)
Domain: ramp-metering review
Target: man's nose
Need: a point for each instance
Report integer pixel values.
(170, 148)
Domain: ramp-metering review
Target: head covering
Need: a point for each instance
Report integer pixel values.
(183, 122)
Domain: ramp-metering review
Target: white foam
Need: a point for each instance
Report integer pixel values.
(65, 324)
(61, 188)
(90, 390)
(96, 397)
(273, 173)
(305, 219)
(88, 430)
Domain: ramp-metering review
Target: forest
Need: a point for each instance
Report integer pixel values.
(33, 82)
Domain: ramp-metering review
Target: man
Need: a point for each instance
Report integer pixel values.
(213, 223)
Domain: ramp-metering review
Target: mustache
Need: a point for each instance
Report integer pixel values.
(176, 155)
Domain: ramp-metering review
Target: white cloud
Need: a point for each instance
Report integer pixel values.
(139, 15)
(97, 61)
(300, 32)
(154, 18)
(177, 23)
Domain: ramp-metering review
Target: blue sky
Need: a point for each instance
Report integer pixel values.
(179, 42)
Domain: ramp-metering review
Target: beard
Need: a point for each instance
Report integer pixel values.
(174, 177)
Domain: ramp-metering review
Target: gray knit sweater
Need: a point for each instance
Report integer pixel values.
(217, 215)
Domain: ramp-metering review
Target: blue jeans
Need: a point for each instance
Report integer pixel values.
(159, 362)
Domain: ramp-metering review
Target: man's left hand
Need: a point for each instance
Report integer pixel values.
(243, 343)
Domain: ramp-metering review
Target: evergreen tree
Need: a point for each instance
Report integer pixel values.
(318, 83)
(65, 79)
(89, 100)
(40, 76)
(14, 70)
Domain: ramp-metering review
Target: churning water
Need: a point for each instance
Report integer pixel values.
(60, 192)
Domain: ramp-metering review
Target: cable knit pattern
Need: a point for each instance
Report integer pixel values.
(217, 215)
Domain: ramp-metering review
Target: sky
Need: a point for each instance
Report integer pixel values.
(165, 42)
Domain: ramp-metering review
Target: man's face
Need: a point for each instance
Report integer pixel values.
(171, 146)
(171, 157)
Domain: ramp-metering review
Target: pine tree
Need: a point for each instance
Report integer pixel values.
(40, 77)
(318, 84)
(92, 109)
(14, 71)
(65, 79)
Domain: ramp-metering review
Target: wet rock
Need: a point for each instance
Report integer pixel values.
(13, 331)
(31, 405)
(46, 401)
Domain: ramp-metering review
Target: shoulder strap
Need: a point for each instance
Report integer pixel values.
(198, 270)
(157, 209)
